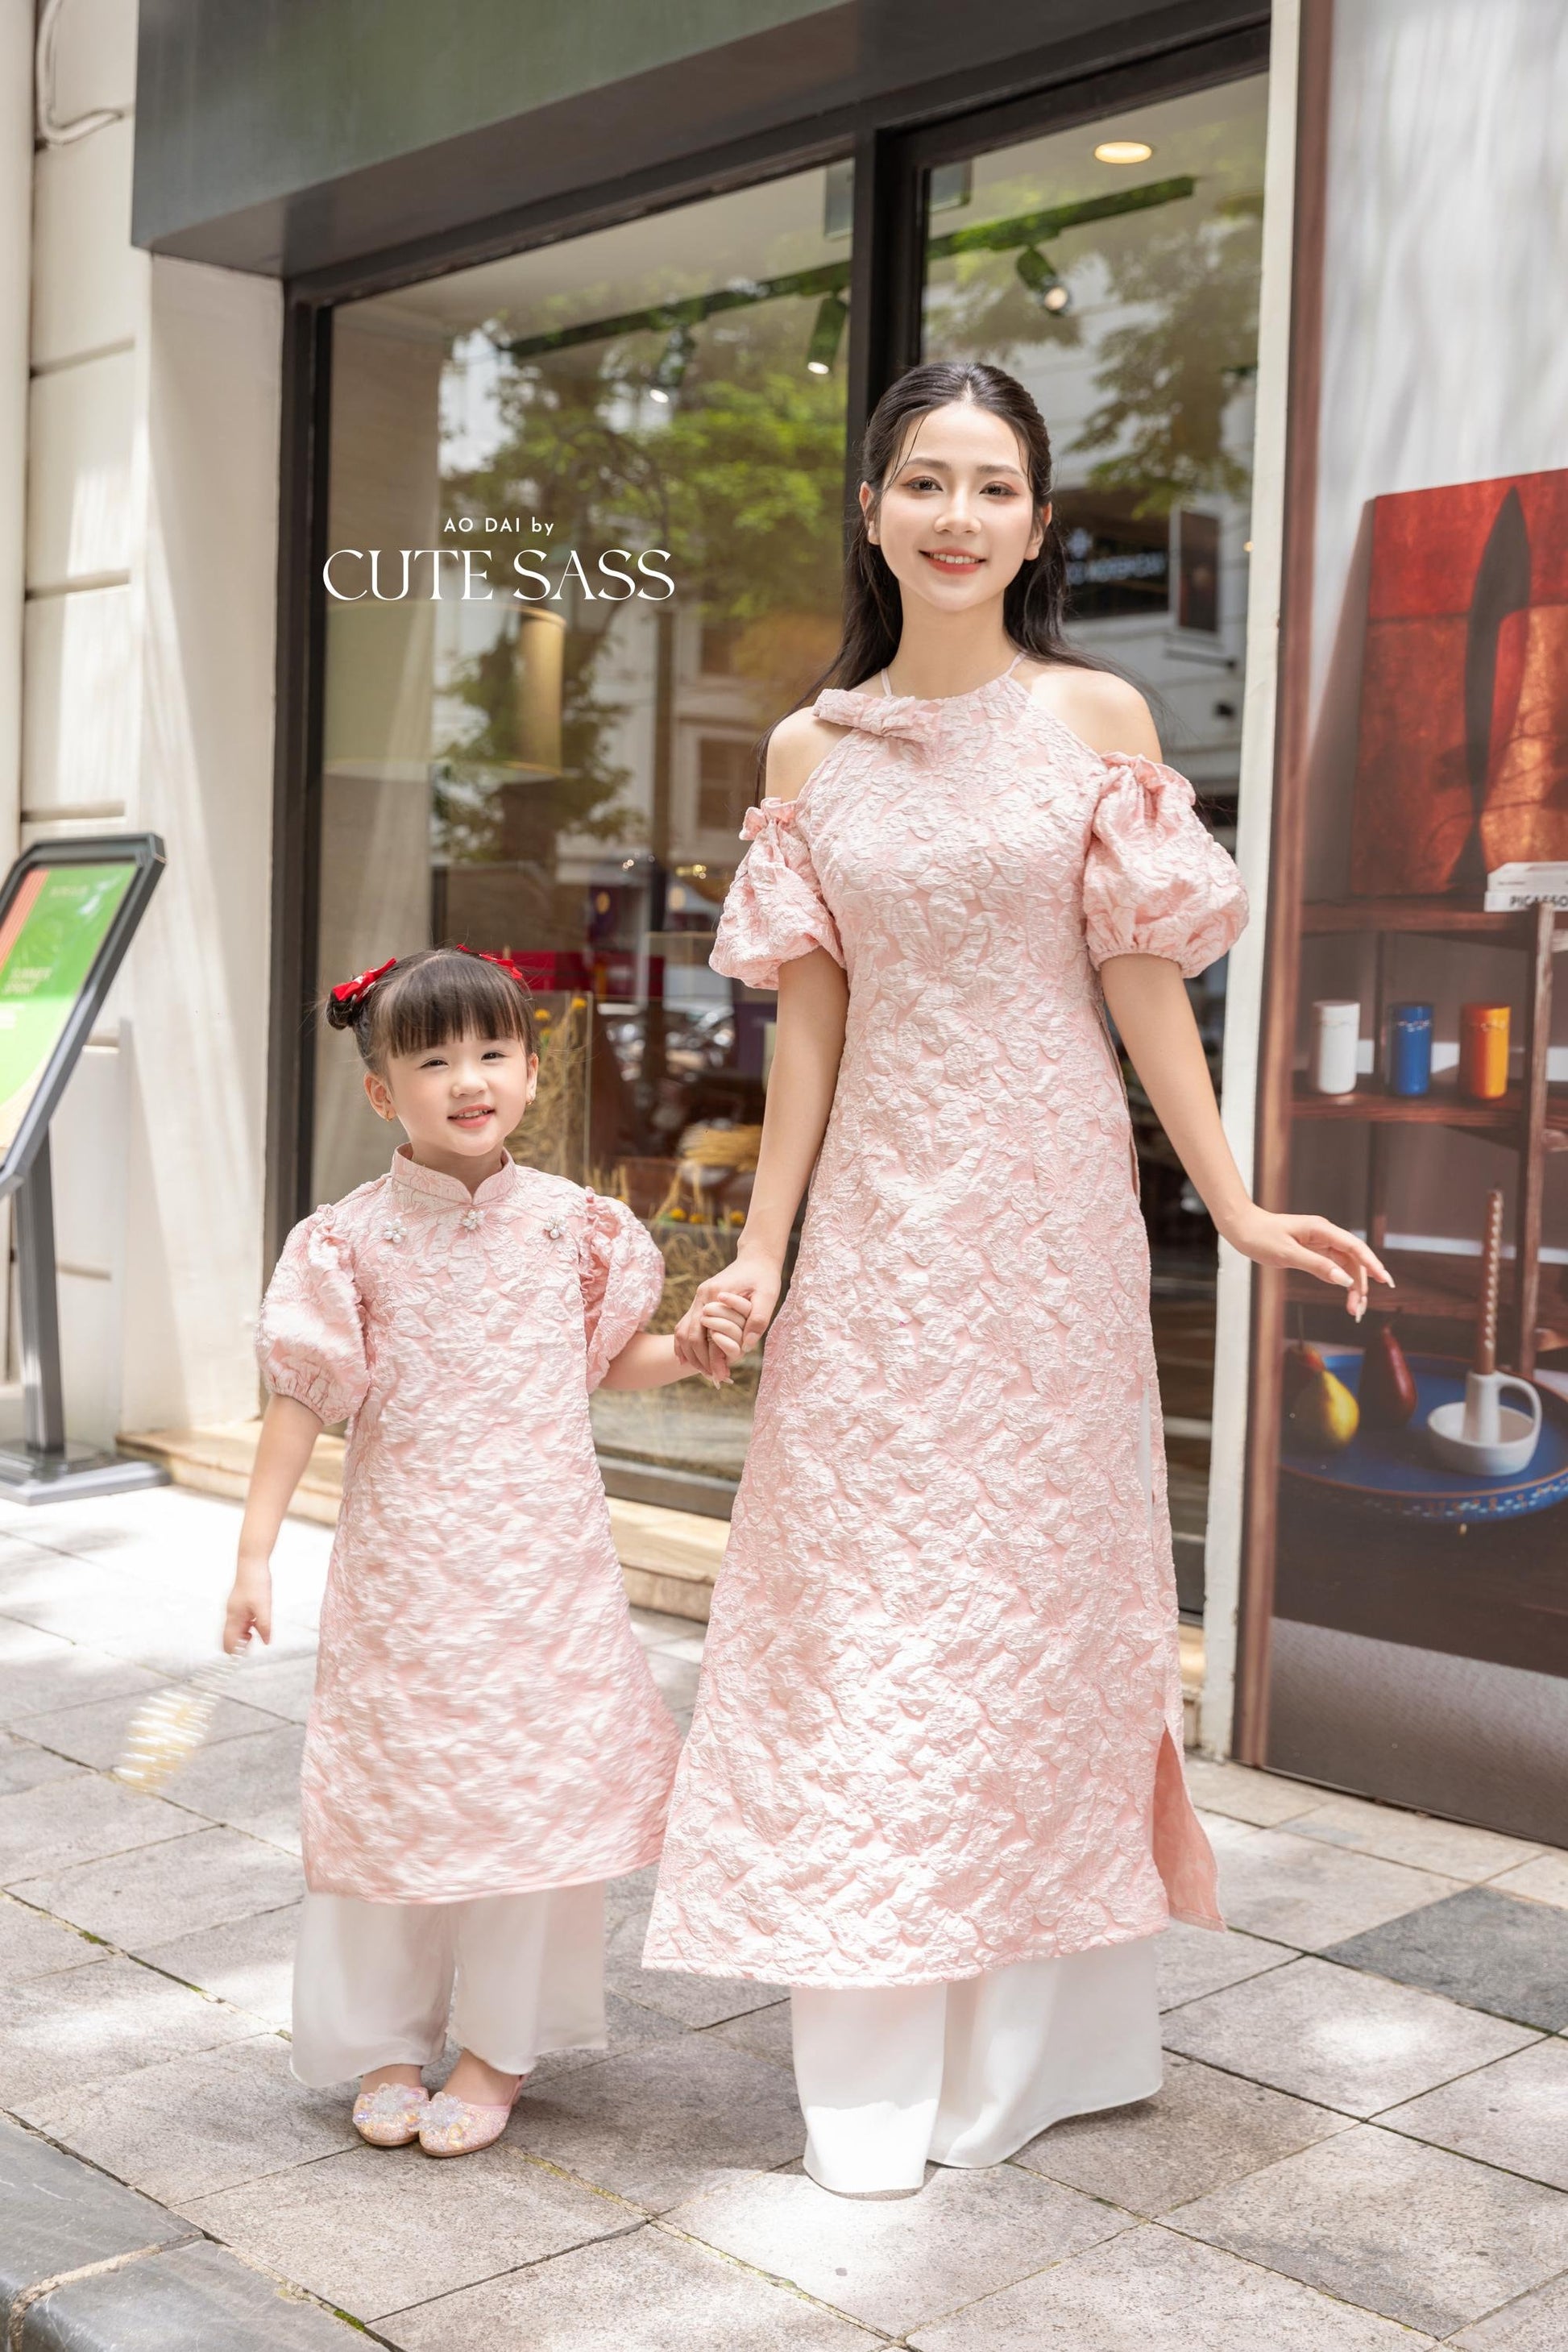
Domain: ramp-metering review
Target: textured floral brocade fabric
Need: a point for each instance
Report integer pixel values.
(940, 1722)
(484, 1719)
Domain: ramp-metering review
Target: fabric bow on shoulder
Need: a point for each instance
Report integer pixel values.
(768, 812)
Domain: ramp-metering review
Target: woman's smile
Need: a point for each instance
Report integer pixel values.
(948, 559)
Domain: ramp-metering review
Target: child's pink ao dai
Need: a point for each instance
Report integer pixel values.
(484, 1720)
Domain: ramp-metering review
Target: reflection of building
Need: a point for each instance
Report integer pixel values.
(342, 327)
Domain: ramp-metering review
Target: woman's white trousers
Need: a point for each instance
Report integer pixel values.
(892, 2077)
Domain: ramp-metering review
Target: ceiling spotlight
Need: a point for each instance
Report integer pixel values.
(1050, 290)
(826, 335)
(670, 372)
(1123, 150)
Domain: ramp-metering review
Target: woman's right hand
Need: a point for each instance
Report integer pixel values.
(249, 1606)
(753, 1280)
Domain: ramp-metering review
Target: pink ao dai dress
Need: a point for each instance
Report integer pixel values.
(484, 1719)
(486, 1744)
(937, 1739)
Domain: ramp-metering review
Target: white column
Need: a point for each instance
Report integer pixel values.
(15, 303)
(203, 778)
(151, 498)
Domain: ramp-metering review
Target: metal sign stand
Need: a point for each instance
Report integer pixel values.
(47, 1467)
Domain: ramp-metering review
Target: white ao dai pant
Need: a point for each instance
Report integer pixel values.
(375, 1983)
(894, 2076)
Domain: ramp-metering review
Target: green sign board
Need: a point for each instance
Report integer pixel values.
(68, 911)
(49, 940)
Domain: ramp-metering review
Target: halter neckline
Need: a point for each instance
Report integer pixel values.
(888, 689)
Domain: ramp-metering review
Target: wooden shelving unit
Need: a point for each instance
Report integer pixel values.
(1529, 1120)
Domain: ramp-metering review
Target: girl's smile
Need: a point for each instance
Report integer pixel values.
(458, 1102)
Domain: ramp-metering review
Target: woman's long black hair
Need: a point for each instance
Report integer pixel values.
(1034, 608)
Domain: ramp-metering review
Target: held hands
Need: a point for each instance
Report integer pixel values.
(1310, 1244)
(744, 1294)
(720, 1317)
(249, 1605)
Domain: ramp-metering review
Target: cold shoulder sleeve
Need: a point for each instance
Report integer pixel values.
(623, 1279)
(310, 1338)
(775, 910)
(1156, 881)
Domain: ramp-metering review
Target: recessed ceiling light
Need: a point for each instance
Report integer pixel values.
(1123, 150)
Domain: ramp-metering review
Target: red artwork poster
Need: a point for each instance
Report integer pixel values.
(1462, 760)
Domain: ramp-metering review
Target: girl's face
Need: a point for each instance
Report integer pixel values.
(459, 1102)
(956, 520)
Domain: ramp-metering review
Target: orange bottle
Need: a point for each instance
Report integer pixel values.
(1483, 1051)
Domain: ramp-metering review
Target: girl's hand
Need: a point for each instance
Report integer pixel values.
(751, 1286)
(249, 1605)
(1314, 1247)
(724, 1321)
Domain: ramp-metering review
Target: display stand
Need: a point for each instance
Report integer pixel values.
(59, 993)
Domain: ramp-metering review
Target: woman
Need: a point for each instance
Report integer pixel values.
(934, 1781)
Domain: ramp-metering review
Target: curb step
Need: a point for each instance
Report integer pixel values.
(87, 2265)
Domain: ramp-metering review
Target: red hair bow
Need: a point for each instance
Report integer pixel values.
(508, 964)
(352, 993)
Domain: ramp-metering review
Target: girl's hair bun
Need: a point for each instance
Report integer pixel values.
(414, 1003)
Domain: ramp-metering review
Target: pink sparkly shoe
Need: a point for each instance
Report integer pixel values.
(459, 2128)
(389, 2116)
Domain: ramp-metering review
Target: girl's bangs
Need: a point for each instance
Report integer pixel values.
(446, 996)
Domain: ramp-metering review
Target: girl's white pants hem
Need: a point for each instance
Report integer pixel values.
(892, 2077)
(375, 1982)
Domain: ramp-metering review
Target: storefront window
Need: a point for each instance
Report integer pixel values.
(1114, 268)
(1410, 1531)
(617, 466)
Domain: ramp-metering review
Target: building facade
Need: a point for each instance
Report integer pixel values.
(437, 460)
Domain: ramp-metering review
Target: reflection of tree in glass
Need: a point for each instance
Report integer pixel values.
(1167, 376)
(740, 477)
(466, 813)
(556, 457)
(983, 310)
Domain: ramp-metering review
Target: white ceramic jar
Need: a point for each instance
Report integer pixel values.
(1336, 1044)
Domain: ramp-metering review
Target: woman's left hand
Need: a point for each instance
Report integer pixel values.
(1310, 1245)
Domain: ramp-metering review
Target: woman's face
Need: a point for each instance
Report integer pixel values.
(956, 520)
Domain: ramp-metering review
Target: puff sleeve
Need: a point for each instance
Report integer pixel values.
(1156, 881)
(310, 1338)
(775, 910)
(622, 1272)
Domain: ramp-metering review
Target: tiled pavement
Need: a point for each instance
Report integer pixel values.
(1361, 2143)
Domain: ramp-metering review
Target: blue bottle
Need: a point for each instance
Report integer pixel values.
(1409, 1049)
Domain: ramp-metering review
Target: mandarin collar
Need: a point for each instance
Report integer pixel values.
(435, 1186)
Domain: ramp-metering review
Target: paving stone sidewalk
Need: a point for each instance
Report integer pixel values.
(1361, 2145)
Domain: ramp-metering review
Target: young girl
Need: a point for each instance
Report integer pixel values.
(486, 1745)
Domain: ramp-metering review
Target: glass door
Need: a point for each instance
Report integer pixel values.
(1114, 268)
(585, 514)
